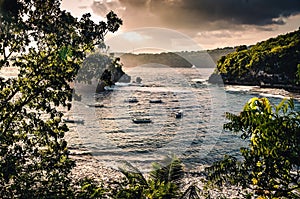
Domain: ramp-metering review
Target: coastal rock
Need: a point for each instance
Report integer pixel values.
(215, 79)
(100, 87)
(138, 80)
(125, 78)
(110, 77)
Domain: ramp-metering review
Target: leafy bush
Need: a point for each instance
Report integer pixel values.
(271, 164)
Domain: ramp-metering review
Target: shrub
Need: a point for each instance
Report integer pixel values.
(271, 164)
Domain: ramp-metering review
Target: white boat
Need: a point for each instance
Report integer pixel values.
(74, 121)
(141, 120)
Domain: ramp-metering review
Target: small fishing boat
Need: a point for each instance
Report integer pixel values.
(132, 100)
(157, 101)
(178, 114)
(96, 105)
(141, 120)
(74, 121)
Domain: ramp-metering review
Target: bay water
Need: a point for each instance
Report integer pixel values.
(197, 138)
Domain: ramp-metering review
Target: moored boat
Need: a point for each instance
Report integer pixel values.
(74, 121)
(178, 114)
(132, 100)
(157, 101)
(141, 120)
(97, 105)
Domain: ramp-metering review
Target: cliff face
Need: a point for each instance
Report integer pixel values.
(274, 63)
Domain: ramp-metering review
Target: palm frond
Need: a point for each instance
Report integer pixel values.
(171, 171)
(192, 192)
(132, 173)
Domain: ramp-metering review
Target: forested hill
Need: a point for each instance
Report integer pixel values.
(167, 59)
(201, 59)
(273, 63)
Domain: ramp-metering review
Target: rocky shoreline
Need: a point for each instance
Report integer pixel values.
(268, 92)
(88, 166)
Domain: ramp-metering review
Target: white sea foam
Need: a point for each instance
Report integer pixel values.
(273, 95)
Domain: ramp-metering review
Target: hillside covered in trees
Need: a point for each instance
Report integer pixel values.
(271, 63)
(201, 59)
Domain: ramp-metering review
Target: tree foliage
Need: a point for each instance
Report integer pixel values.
(99, 66)
(271, 164)
(93, 67)
(169, 59)
(270, 62)
(48, 46)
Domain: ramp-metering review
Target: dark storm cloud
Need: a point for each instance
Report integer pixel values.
(200, 14)
(253, 12)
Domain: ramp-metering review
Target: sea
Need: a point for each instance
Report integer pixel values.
(197, 138)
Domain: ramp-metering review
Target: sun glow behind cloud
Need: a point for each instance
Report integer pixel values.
(210, 23)
(152, 39)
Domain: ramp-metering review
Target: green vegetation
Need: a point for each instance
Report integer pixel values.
(269, 63)
(167, 59)
(93, 67)
(48, 47)
(164, 181)
(202, 59)
(271, 164)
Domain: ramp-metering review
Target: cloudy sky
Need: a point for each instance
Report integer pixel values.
(207, 23)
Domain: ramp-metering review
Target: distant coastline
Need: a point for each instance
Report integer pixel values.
(183, 59)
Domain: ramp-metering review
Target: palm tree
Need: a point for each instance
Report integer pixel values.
(164, 181)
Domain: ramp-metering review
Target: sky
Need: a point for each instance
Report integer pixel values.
(153, 25)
